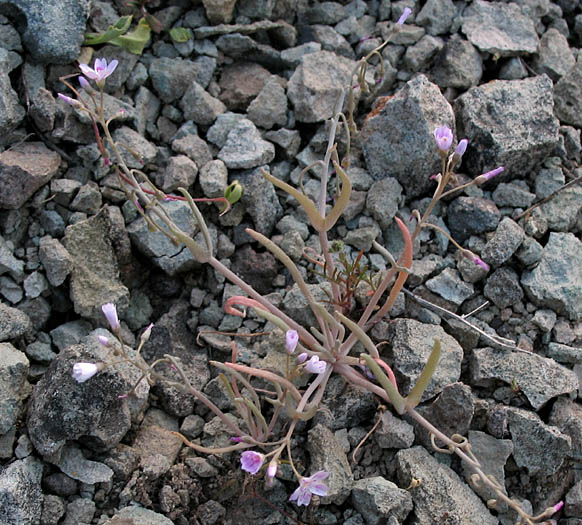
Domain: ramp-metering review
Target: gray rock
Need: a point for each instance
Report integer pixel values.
(327, 454)
(538, 447)
(219, 11)
(53, 34)
(88, 199)
(145, 150)
(383, 199)
(565, 354)
(72, 462)
(193, 147)
(241, 47)
(10, 290)
(556, 282)
(566, 415)
(180, 172)
(450, 286)
(147, 107)
(269, 108)
(513, 196)
(411, 345)
(52, 223)
(288, 139)
(240, 83)
(293, 56)
(35, 284)
(548, 180)
(398, 139)
(540, 379)
(378, 499)
(420, 55)
(13, 112)
(394, 432)
(507, 239)
(545, 320)
(224, 124)
(296, 306)
(572, 144)
(260, 200)
(24, 168)
(326, 13)
(135, 514)
(555, 57)
(157, 447)
(518, 133)
(13, 323)
(53, 509)
(95, 274)
(20, 493)
(13, 386)
(573, 501)
(331, 40)
(530, 252)
(245, 148)
(562, 210)
(160, 249)
(199, 106)
(500, 29)
(213, 178)
(171, 332)
(70, 333)
(9, 263)
(502, 288)
(513, 69)
(468, 216)
(171, 77)
(441, 491)
(80, 511)
(314, 86)
(257, 269)
(40, 351)
(436, 16)
(492, 454)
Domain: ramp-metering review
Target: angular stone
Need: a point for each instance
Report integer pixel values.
(555, 56)
(510, 122)
(13, 323)
(269, 108)
(20, 492)
(245, 148)
(383, 199)
(568, 97)
(13, 386)
(507, 239)
(449, 285)
(12, 112)
(199, 106)
(378, 500)
(539, 378)
(441, 492)
(240, 83)
(557, 280)
(503, 288)
(24, 168)
(500, 29)
(397, 136)
(468, 216)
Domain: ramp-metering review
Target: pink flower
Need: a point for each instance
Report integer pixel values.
(315, 365)
(309, 486)
(461, 147)
(104, 340)
(272, 469)
(69, 100)
(480, 262)
(302, 357)
(405, 14)
(100, 71)
(490, 174)
(444, 138)
(111, 315)
(84, 83)
(558, 506)
(84, 371)
(291, 340)
(251, 461)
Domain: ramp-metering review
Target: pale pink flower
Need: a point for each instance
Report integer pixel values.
(308, 487)
(84, 371)
(480, 262)
(444, 138)
(302, 357)
(461, 147)
(69, 100)
(291, 340)
(104, 340)
(272, 469)
(100, 70)
(111, 315)
(405, 14)
(251, 461)
(146, 334)
(315, 365)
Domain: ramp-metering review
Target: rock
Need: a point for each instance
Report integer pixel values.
(145, 150)
(171, 332)
(20, 493)
(568, 97)
(193, 147)
(530, 252)
(507, 239)
(499, 29)
(328, 13)
(156, 446)
(219, 11)
(24, 168)
(213, 178)
(13, 386)
(9, 263)
(573, 501)
(53, 34)
(53, 509)
(513, 196)
(135, 514)
(492, 454)
(72, 462)
(539, 378)
(296, 306)
(257, 269)
(538, 447)
(95, 275)
(13, 323)
(331, 40)
(314, 86)
(449, 285)
(564, 354)
(510, 123)
(411, 345)
(293, 56)
(555, 57)
(436, 16)
(399, 133)
(63, 410)
(245, 148)
(199, 106)
(171, 77)
(13, 112)
(420, 55)
(566, 415)
(147, 107)
(240, 83)
(79, 511)
(441, 491)
(468, 216)
(70, 333)
(383, 199)
(160, 249)
(553, 283)
(240, 47)
(378, 500)
(394, 432)
(269, 108)
(180, 172)
(288, 139)
(561, 211)
(503, 288)
(326, 454)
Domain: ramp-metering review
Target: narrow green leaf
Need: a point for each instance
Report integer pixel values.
(415, 395)
(136, 40)
(119, 28)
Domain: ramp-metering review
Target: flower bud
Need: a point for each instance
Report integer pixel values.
(461, 147)
(405, 14)
(291, 340)
(146, 335)
(481, 179)
(111, 315)
(444, 138)
(302, 357)
(84, 371)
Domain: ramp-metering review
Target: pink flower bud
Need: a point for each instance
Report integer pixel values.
(146, 335)
(104, 340)
(291, 340)
(302, 357)
(444, 138)
(272, 469)
(489, 175)
(315, 365)
(84, 83)
(84, 371)
(111, 315)
(405, 14)
(251, 461)
(461, 147)
(69, 100)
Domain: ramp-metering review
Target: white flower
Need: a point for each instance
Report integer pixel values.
(315, 366)
(84, 371)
